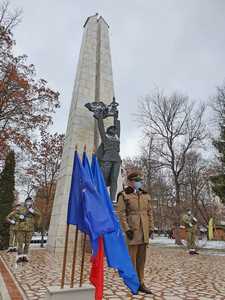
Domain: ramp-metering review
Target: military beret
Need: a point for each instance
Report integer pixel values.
(134, 176)
(28, 199)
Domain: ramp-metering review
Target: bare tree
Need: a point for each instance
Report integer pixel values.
(196, 186)
(157, 183)
(8, 20)
(218, 105)
(39, 174)
(146, 163)
(27, 182)
(177, 127)
(149, 162)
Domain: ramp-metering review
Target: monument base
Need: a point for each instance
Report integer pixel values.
(86, 292)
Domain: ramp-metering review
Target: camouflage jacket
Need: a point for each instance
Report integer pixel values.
(27, 224)
(188, 221)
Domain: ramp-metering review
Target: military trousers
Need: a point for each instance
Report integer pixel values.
(23, 239)
(12, 237)
(138, 257)
(191, 236)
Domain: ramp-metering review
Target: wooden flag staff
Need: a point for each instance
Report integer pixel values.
(74, 258)
(74, 253)
(82, 260)
(65, 251)
(65, 257)
(84, 246)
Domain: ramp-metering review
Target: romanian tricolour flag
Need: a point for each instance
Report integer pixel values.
(90, 209)
(116, 250)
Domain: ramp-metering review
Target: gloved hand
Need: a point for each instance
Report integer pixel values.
(130, 234)
(31, 210)
(194, 220)
(12, 222)
(21, 217)
(190, 225)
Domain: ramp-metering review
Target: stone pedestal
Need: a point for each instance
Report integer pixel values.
(86, 292)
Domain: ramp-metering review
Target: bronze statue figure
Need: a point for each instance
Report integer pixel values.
(109, 149)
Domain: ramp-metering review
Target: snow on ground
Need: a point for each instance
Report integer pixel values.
(161, 241)
(164, 241)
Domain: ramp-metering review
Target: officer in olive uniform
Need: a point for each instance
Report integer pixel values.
(12, 229)
(25, 219)
(136, 218)
(190, 223)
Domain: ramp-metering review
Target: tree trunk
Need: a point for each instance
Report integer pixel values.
(177, 213)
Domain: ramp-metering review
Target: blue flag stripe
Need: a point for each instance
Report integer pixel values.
(114, 243)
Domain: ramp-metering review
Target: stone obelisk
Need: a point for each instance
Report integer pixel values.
(93, 82)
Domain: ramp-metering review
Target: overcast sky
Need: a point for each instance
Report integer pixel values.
(170, 44)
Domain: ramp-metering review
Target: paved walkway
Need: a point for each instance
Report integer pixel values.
(170, 272)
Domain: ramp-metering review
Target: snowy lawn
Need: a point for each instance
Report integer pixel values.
(164, 241)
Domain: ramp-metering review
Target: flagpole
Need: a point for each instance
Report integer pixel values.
(82, 261)
(84, 246)
(65, 257)
(65, 250)
(74, 258)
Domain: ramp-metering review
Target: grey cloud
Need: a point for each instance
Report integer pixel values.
(175, 45)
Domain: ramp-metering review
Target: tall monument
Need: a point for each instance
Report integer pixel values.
(94, 82)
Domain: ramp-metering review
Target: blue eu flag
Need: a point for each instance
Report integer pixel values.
(75, 212)
(86, 207)
(115, 246)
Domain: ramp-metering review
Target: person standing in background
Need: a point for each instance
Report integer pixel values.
(13, 221)
(25, 218)
(190, 223)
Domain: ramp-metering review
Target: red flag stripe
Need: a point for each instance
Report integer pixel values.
(97, 270)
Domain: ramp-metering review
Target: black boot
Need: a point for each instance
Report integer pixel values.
(19, 258)
(10, 249)
(144, 289)
(25, 258)
(193, 252)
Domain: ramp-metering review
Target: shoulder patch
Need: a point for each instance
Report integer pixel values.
(143, 191)
(118, 195)
(128, 190)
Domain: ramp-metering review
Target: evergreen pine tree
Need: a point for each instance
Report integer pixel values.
(218, 181)
(7, 197)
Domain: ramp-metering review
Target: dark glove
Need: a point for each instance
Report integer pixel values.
(130, 234)
(150, 233)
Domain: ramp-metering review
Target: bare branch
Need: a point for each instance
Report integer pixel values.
(176, 127)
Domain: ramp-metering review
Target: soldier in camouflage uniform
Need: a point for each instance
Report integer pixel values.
(190, 223)
(136, 218)
(12, 229)
(25, 220)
